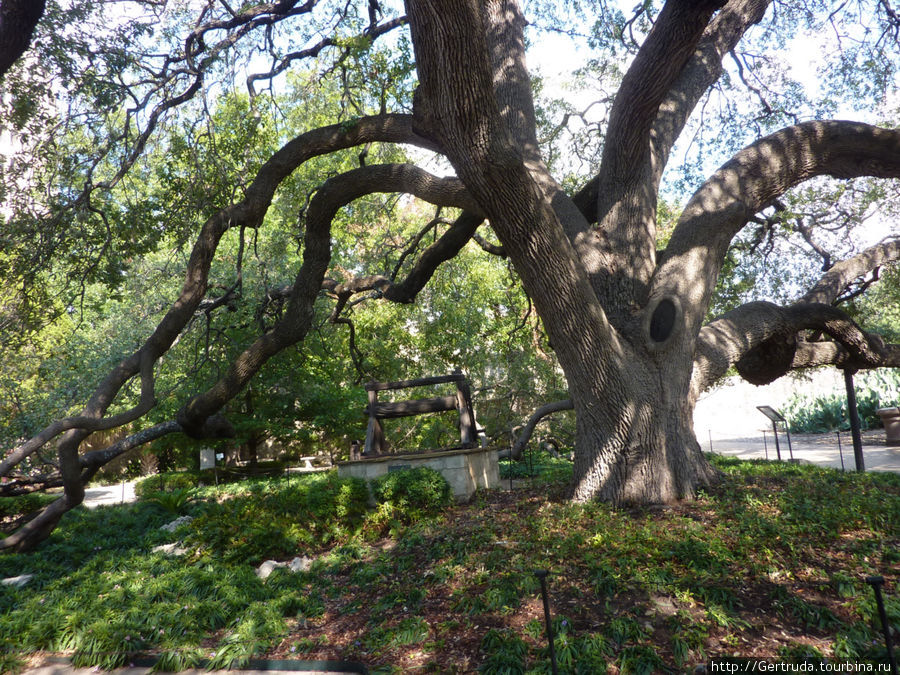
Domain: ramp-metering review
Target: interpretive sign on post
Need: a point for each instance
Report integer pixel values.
(776, 418)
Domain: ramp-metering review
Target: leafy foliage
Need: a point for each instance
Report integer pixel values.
(828, 412)
(165, 482)
(419, 491)
(260, 522)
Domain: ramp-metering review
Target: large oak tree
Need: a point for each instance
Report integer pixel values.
(628, 323)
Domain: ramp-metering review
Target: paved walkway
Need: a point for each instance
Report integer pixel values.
(102, 495)
(820, 449)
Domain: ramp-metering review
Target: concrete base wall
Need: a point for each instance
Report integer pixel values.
(465, 470)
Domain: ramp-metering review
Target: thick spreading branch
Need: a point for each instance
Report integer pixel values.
(199, 420)
(525, 435)
(698, 74)
(247, 213)
(761, 339)
(333, 195)
(748, 183)
(841, 275)
(626, 183)
(660, 60)
(644, 124)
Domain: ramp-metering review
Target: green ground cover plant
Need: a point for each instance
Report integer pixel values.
(770, 563)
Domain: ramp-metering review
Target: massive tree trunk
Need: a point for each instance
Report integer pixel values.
(652, 455)
(634, 438)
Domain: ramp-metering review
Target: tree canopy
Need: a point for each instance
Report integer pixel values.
(218, 218)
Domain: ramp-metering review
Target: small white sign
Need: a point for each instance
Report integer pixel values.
(207, 459)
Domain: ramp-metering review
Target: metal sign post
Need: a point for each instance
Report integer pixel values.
(854, 420)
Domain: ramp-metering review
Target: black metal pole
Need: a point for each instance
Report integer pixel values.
(775, 433)
(542, 576)
(876, 583)
(787, 433)
(854, 420)
(840, 450)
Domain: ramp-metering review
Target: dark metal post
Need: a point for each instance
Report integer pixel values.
(787, 432)
(775, 433)
(840, 450)
(542, 576)
(854, 420)
(876, 583)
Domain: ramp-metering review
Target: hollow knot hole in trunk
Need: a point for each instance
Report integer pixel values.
(662, 320)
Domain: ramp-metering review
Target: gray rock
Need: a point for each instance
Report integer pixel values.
(170, 549)
(18, 581)
(175, 524)
(301, 564)
(269, 566)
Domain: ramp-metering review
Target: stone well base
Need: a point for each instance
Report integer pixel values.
(465, 470)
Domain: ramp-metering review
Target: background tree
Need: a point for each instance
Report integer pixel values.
(17, 21)
(627, 323)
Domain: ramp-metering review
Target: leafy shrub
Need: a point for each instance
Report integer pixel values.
(165, 482)
(828, 412)
(11, 507)
(414, 492)
(279, 519)
(173, 501)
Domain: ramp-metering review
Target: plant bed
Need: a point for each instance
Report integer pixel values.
(771, 563)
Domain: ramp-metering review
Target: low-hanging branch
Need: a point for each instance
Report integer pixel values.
(515, 452)
(198, 417)
(332, 195)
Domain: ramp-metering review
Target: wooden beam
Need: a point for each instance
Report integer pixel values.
(466, 414)
(420, 382)
(374, 432)
(414, 407)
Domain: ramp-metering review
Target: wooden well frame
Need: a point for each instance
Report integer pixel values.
(377, 411)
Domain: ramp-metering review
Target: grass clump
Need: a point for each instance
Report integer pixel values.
(165, 482)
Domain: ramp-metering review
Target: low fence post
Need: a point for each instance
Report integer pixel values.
(876, 583)
(542, 576)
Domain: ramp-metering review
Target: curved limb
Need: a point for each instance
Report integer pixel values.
(522, 440)
(748, 183)
(750, 336)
